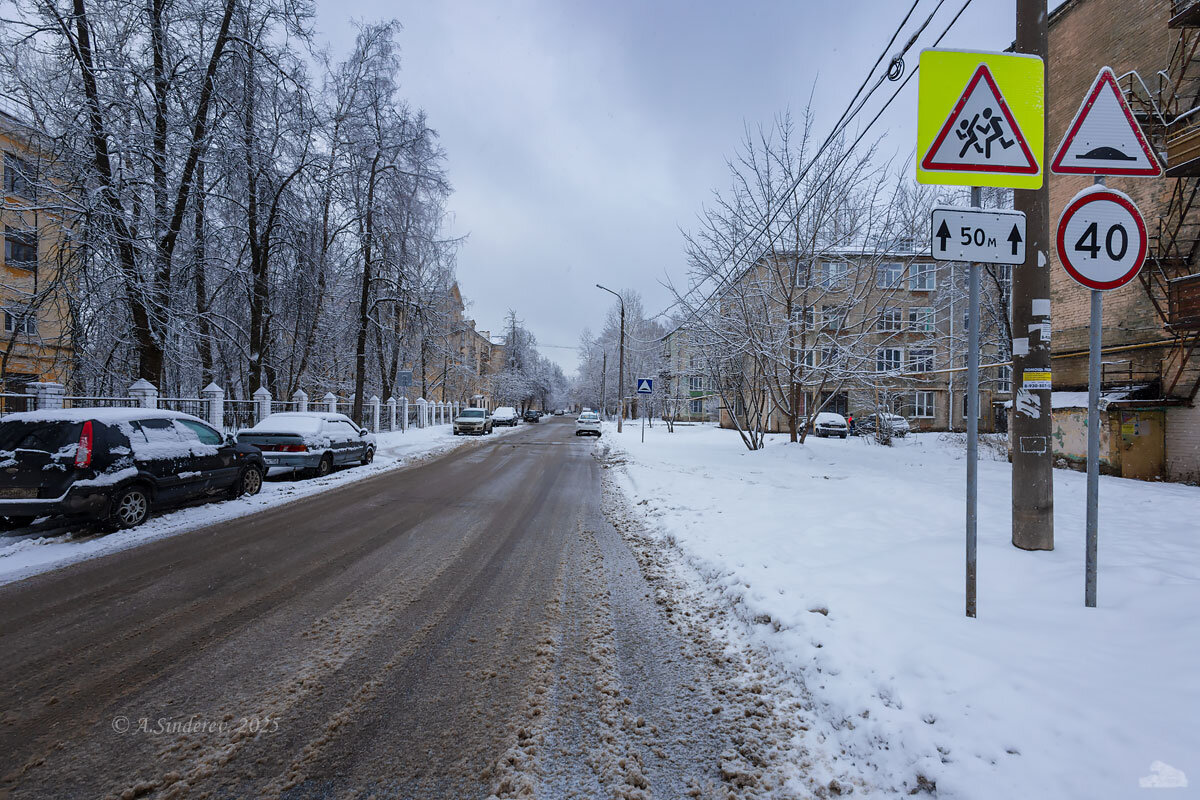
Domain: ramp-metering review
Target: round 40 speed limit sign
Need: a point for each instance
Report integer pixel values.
(1101, 239)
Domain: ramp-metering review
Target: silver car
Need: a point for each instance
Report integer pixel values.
(473, 420)
(314, 442)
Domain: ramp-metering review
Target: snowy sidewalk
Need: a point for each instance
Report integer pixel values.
(854, 553)
(29, 554)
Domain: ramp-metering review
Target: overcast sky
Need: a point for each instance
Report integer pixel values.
(582, 134)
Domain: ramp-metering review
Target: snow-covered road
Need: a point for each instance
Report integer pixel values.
(843, 561)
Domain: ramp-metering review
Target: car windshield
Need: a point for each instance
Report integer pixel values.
(474, 413)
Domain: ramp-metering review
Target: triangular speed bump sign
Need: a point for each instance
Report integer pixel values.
(1104, 138)
(645, 386)
(981, 135)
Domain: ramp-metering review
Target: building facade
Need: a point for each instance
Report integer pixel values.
(1150, 331)
(35, 344)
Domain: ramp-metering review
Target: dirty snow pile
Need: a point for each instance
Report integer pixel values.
(48, 545)
(845, 559)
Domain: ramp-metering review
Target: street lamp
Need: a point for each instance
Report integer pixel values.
(621, 361)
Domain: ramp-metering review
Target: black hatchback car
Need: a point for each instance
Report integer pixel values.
(115, 464)
(532, 416)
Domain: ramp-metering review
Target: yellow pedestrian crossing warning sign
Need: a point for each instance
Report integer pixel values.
(981, 119)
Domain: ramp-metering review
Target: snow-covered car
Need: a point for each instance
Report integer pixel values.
(314, 442)
(505, 415)
(116, 464)
(828, 423)
(473, 420)
(587, 423)
(894, 424)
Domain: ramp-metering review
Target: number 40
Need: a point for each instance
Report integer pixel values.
(1089, 242)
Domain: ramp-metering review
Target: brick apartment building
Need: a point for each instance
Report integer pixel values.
(1150, 354)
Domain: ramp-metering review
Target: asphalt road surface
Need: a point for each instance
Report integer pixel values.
(468, 627)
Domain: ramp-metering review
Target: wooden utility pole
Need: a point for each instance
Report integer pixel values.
(1032, 446)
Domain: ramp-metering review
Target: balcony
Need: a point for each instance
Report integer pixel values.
(1184, 14)
(1183, 303)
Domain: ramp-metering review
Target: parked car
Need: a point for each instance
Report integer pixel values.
(892, 423)
(532, 416)
(115, 465)
(559, 412)
(473, 420)
(504, 415)
(588, 423)
(828, 423)
(314, 442)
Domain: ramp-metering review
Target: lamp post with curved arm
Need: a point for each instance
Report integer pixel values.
(621, 361)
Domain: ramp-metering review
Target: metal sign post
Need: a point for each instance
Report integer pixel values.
(644, 386)
(1102, 244)
(972, 418)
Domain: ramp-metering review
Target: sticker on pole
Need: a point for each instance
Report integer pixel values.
(1104, 138)
(1101, 239)
(981, 119)
(975, 234)
(645, 386)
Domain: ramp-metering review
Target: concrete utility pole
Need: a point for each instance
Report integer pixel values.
(1032, 447)
(620, 361)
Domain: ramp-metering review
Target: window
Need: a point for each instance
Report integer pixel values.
(20, 249)
(833, 274)
(696, 383)
(193, 430)
(805, 317)
(923, 278)
(20, 321)
(1003, 379)
(920, 360)
(888, 359)
(830, 355)
(833, 317)
(964, 406)
(809, 358)
(920, 319)
(697, 406)
(889, 320)
(159, 431)
(17, 176)
(923, 406)
(889, 275)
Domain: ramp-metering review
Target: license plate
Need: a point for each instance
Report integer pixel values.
(271, 459)
(18, 494)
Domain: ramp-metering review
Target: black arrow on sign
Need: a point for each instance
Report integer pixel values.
(1015, 238)
(943, 234)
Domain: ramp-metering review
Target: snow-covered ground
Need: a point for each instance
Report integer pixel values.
(845, 560)
(29, 553)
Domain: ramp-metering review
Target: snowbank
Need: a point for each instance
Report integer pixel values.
(30, 553)
(845, 559)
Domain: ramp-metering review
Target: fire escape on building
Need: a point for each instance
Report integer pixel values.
(1168, 108)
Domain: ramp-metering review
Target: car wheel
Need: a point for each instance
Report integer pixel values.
(844, 435)
(324, 467)
(130, 507)
(368, 456)
(249, 483)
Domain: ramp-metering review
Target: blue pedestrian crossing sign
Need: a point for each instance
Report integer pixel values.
(645, 385)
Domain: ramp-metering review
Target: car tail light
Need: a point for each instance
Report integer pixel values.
(292, 448)
(83, 451)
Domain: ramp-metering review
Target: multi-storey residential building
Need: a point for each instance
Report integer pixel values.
(685, 382)
(34, 342)
(1151, 328)
(887, 331)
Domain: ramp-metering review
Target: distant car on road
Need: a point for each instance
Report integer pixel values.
(828, 423)
(532, 415)
(894, 424)
(559, 412)
(312, 441)
(473, 420)
(587, 424)
(116, 464)
(504, 415)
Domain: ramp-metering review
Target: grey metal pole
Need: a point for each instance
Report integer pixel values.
(972, 419)
(1093, 445)
(621, 370)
